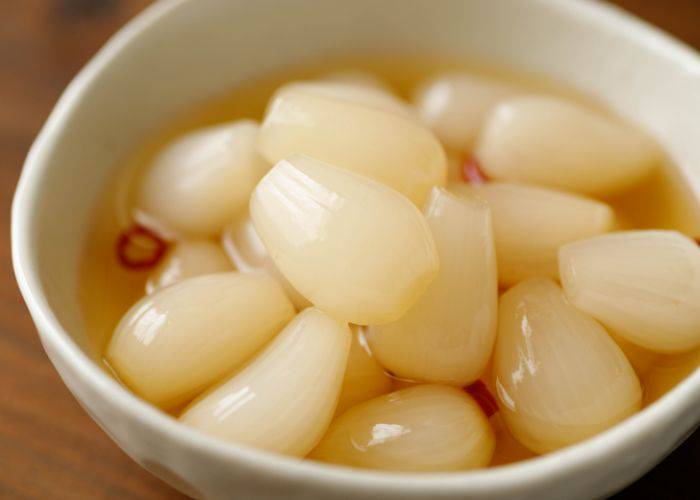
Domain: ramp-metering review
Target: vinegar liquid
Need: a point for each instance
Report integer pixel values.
(107, 289)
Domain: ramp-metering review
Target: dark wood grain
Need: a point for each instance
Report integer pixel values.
(49, 447)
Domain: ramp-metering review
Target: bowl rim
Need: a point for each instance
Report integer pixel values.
(514, 476)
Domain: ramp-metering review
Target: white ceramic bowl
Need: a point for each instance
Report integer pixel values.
(179, 52)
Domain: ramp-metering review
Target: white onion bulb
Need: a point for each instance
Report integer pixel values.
(531, 223)
(369, 136)
(187, 260)
(455, 106)
(352, 92)
(560, 378)
(448, 334)
(283, 401)
(173, 344)
(246, 250)
(556, 143)
(202, 180)
(424, 428)
(355, 248)
(644, 285)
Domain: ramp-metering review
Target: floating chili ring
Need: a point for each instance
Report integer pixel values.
(472, 172)
(140, 248)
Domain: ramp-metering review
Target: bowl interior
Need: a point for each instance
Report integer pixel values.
(148, 82)
(181, 52)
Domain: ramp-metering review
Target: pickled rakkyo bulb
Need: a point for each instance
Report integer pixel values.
(364, 378)
(355, 248)
(366, 95)
(455, 106)
(200, 181)
(643, 285)
(283, 401)
(187, 260)
(423, 428)
(560, 378)
(554, 142)
(531, 223)
(448, 334)
(243, 245)
(367, 136)
(173, 344)
(508, 449)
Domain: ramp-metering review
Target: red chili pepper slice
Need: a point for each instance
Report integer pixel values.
(483, 396)
(140, 248)
(472, 173)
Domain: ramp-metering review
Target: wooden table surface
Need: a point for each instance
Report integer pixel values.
(49, 447)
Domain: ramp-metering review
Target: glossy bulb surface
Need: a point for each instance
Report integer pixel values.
(644, 285)
(284, 399)
(421, 429)
(244, 247)
(355, 248)
(560, 378)
(365, 134)
(508, 449)
(189, 258)
(554, 142)
(448, 334)
(531, 223)
(455, 106)
(198, 183)
(173, 344)
(349, 91)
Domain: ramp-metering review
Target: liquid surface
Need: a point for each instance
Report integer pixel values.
(108, 289)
